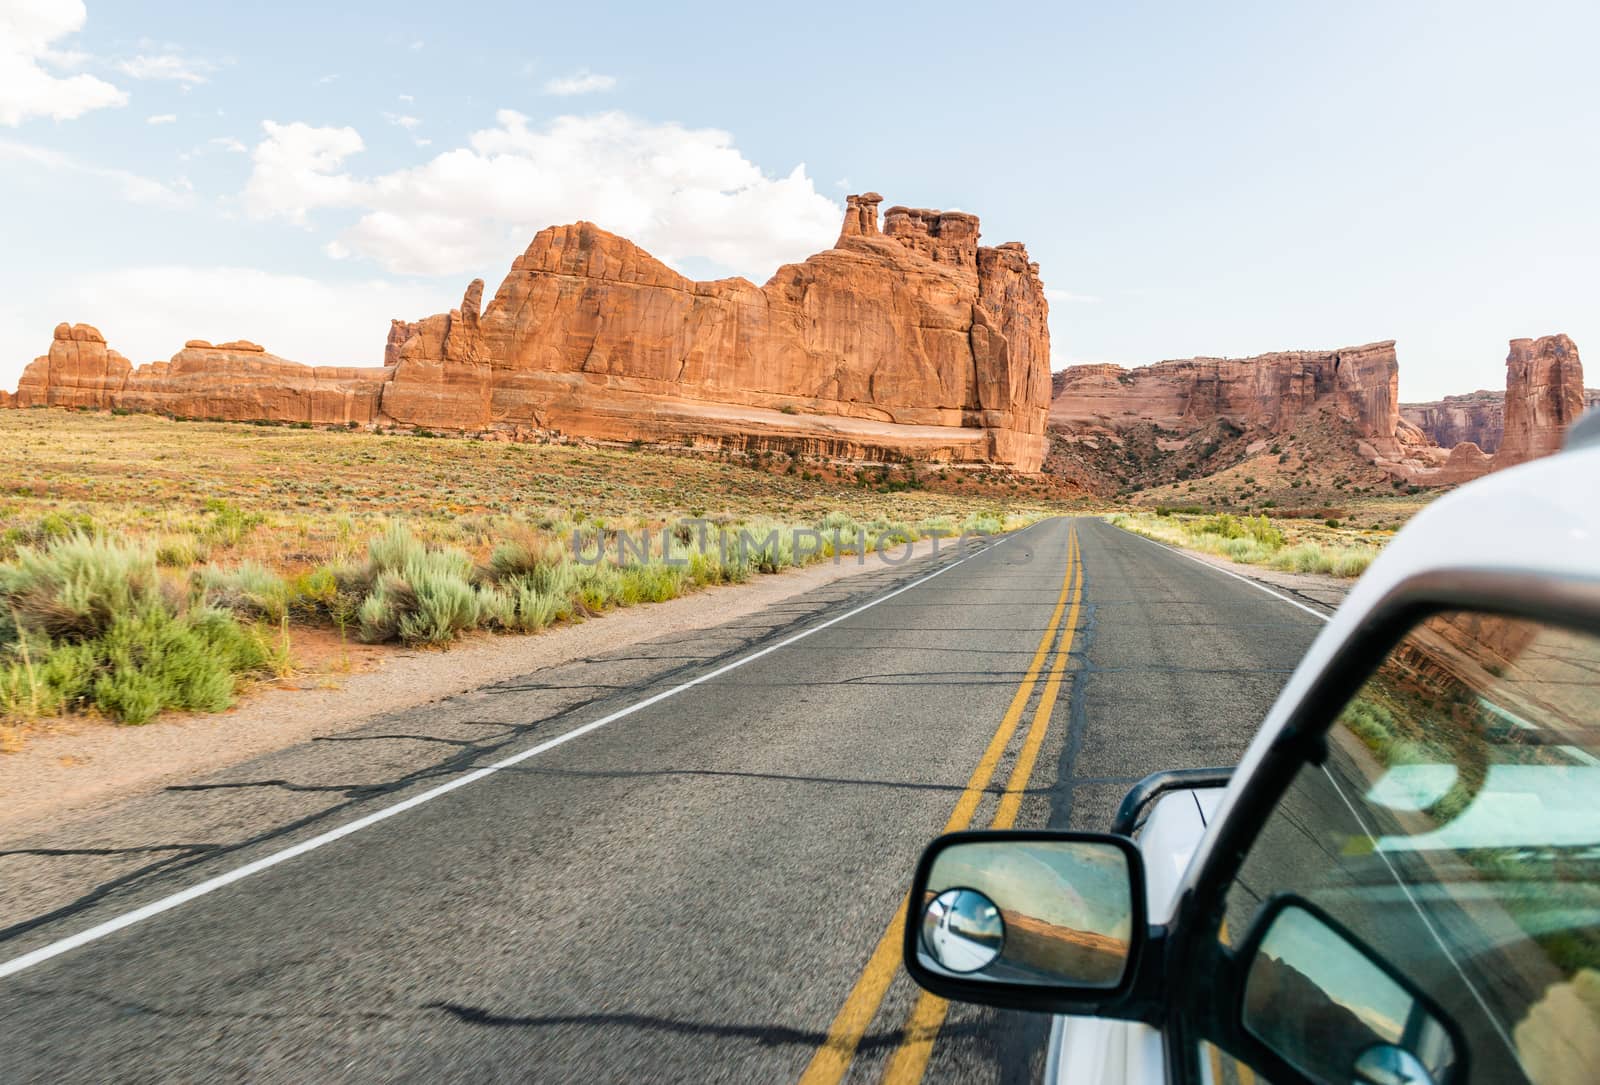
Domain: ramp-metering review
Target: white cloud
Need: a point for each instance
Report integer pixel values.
(168, 66)
(581, 82)
(1068, 298)
(325, 80)
(404, 121)
(161, 118)
(406, 98)
(27, 29)
(679, 192)
(295, 170)
(148, 312)
(416, 46)
(131, 186)
(228, 143)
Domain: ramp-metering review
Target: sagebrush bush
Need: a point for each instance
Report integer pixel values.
(76, 587)
(415, 593)
(248, 589)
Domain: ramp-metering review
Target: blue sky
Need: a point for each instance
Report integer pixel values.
(1220, 180)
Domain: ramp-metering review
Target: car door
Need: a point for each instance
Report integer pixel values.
(1412, 891)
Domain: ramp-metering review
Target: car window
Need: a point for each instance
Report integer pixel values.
(1455, 829)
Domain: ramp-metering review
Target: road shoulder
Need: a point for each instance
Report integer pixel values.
(79, 764)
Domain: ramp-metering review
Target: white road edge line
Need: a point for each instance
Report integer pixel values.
(1313, 611)
(211, 885)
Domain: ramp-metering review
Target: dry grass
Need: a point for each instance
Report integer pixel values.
(1296, 546)
(284, 535)
(291, 499)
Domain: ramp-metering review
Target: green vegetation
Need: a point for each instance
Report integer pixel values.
(119, 628)
(148, 563)
(91, 624)
(1291, 546)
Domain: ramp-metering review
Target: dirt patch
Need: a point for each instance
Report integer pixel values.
(76, 762)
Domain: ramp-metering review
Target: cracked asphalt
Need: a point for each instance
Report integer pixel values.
(685, 894)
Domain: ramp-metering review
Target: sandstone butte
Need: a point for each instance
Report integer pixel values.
(1269, 392)
(909, 342)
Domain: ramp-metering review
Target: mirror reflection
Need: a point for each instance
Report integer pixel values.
(1322, 1004)
(962, 930)
(1044, 912)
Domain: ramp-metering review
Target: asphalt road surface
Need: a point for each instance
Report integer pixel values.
(698, 887)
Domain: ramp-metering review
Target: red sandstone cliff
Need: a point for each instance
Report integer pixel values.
(909, 342)
(1476, 417)
(237, 380)
(1268, 392)
(78, 371)
(1544, 395)
(1198, 415)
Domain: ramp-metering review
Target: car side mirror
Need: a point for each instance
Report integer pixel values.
(1048, 921)
(1333, 1010)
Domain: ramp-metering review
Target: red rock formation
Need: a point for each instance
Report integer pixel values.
(1268, 391)
(1466, 462)
(399, 332)
(79, 371)
(240, 380)
(912, 342)
(1544, 395)
(1477, 417)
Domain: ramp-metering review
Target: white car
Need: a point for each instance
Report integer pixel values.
(1400, 883)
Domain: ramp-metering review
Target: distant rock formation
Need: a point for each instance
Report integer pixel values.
(1153, 416)
(1269, 391)
(236, 380)
(1476, 417)
(912, 342)
(1544, 395)
(79, 371)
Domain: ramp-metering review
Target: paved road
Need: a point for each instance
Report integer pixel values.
(693, 891)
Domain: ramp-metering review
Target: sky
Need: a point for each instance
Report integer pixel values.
(1216, 180)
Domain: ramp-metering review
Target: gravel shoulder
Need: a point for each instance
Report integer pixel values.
(80, 763)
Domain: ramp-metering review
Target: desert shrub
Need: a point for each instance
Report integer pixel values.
(412, 592)
(446, 604)
(525, 556)
(59, 525)
(249, 589)
(598, 587)
(1306, 557)
(983, 523)
(1255, 528)
(1372, 723)
(386, 602)
(327, 592)
(1351, 561)
(180, 551)
(394, 549)
(653, 583)
(77, 586)
(229, 523)
(146, 661)
(42, 679)
(519, 607)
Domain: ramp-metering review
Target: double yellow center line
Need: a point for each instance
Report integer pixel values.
(910, 1059)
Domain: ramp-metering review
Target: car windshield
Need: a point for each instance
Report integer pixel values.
(1454, 827)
